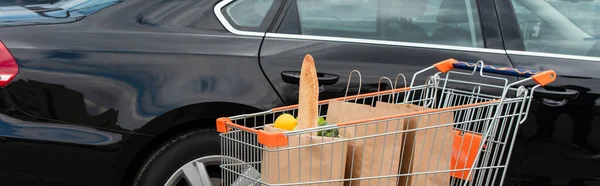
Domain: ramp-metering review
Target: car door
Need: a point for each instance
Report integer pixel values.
(378, 38)
(559, 142)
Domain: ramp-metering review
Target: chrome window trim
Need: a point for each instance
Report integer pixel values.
(384, 42)
(551, 55)
(227, 25)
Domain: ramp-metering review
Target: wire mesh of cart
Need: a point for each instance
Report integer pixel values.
(456, 128)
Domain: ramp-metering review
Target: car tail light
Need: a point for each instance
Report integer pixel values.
(8, 66)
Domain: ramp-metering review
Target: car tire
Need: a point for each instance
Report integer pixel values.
(164, 162)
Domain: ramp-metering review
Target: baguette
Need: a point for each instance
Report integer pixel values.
(308, 108)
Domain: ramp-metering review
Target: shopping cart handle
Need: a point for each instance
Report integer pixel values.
(541, 77)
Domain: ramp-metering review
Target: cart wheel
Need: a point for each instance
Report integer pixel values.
(190, 159)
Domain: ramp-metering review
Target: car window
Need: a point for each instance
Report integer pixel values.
(560, 27)
(247, 14)
(447, 22)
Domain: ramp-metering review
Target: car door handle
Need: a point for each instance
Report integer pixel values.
(565, 94)
(293, 77)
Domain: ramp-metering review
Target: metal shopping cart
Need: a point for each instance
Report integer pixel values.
(426, 134)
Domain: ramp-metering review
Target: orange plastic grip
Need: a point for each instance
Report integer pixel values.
(545, 77)
(272, 139)
(221, 124)
(269, 139)
(446, 65)
(464, 152)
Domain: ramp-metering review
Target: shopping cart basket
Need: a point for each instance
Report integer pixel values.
(424, 134)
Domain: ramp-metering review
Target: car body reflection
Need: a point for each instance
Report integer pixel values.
(52, 132)
(60, 12)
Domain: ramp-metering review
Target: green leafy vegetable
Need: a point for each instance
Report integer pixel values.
(326, 133)
(322, 121)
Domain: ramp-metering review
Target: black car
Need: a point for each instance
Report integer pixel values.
(109, 92)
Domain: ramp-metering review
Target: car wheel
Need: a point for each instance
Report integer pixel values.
(190, 159)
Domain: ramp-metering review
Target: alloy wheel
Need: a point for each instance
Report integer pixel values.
(194, 173)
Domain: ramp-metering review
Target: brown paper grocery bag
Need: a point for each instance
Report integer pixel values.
(425, 150)
(306, 164)
(371, 156)
(338, 112)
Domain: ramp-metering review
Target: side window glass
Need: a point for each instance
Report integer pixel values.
(560, 27)
(249, 15)
(447, 22)
(342, 18)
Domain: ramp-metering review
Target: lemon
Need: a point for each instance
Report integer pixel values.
(285, 122)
